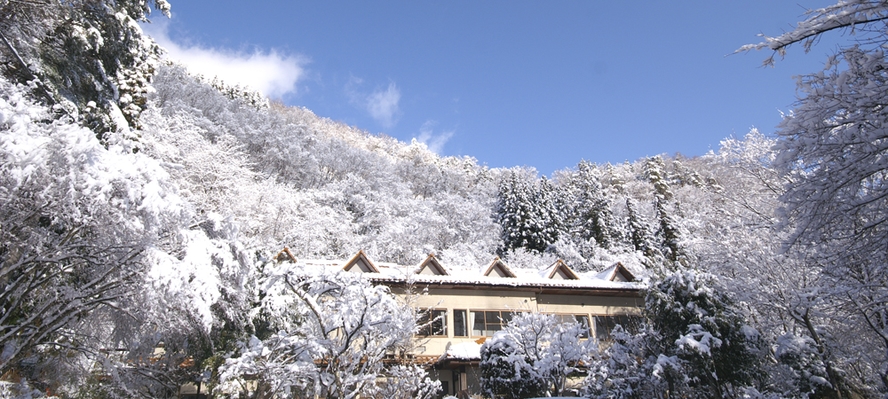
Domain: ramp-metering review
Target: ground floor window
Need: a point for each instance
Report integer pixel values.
(581, 319)
(604, 325)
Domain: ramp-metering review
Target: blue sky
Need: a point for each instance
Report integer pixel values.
(542, 84)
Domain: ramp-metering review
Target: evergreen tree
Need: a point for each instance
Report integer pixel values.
(506, 372)
(533, 356)
(529, 213)
(639, 232)
(668, 231)
(593, 218)
(695, 344)
(552, 210)
(699, 325)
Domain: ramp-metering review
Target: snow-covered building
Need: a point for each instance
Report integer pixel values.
(461, 308)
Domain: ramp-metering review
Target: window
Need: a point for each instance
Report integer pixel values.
(433, 322)
(460, 323)
(604, 325)
(487, 323)
(581, 319)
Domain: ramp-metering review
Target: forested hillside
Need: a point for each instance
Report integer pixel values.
(140, 207)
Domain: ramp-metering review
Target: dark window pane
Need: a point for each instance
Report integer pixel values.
(432, 322)
(439, 323)
(459, 323)
(493, 317)
(583, 320)
(478, 324)
(602, 331)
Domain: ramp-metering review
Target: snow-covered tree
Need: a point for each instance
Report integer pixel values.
(534, 354)
(507, 372)
(591, 211)
(88, 57)
(99, 265)
(832, 150)
(329, 336)
(527, 211)
(639, 233)
(668, 231)
(696, 343)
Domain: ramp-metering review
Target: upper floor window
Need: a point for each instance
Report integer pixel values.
(460, 323)
(433, 322)
(486, 323)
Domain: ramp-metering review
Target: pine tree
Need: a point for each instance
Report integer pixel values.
(699, 325)
(668, 231)
(529, 213)
(639, 232)
(593, 218)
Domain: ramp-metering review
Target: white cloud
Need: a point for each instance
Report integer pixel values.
(382, 104)
(435, 142)
(271, 73)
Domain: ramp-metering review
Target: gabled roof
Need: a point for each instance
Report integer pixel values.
(499, 269)
(616, 280)
(431, 267)
(617, 273)
(285, 256)
(360, 263)
(560, 271)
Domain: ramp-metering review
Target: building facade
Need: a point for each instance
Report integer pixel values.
(462, 308)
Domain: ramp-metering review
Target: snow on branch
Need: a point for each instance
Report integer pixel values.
(854, 15)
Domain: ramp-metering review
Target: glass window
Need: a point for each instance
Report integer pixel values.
(460, 325)
(433, 322)
(478, 323)
(486, 323)
(581, 319)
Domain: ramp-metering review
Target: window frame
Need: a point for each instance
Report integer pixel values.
(503, 321)
(428, 318)
(629, 322)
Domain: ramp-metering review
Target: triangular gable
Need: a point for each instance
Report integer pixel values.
(431, 267)
(622, 274)
(285, 256)
(498, 268)
(560, 271)
(360, 263)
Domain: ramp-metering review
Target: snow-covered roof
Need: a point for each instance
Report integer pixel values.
(617, 272)
(498, 268)
(559, 271)
(360, 263)
(462, 351)
(431, 266)
(495, 274)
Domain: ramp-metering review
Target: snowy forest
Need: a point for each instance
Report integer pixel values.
(141, 207)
